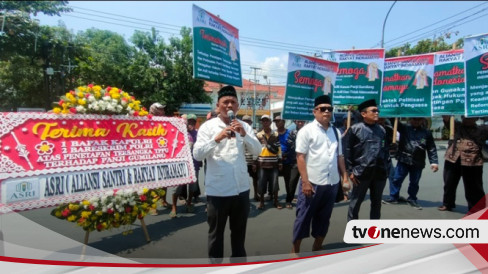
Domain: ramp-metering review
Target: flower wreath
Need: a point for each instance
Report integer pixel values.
(112, 210)
(93, 99)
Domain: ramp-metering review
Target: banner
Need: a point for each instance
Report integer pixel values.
(449, 93)
(359, 77)
(245, 98)
(216, 52)
(476, 56)
(308, 78)
(47, 158)
(407, 86)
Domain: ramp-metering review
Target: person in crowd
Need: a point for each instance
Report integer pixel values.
(158, 109)
(192, 131)
(251, 162)
(464, 159)
(415, 143)
(221, 141)
(367, 159)
(319, 160)
(292, 156)
(287, 162)
(191, 188)
(269, 162)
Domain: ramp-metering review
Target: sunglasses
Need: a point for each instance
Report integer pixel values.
(375, 110)
(324, 109)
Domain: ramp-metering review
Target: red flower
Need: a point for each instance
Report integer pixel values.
(61, 102)
(91, 207)
(107, 94)
(65, 212)
(90, 85)
(125, 99)
(99, 227)
(136, 113)
(139, 216)
(149, 116)
(143, 198)
(110, 211)
(87, 95)
(109, 88)
(72, 92)
(72, 110)
(128, 209)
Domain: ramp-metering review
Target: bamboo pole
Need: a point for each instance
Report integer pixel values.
(395, 128)
(144, 228)
(85, 243)
(348, 124)
(451, 128)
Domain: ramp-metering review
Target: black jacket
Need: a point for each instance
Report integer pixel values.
(414, 144)
(367, 150)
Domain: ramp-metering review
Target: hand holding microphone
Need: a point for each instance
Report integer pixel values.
(235, 125)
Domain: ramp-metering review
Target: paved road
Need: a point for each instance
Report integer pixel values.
(184, 239)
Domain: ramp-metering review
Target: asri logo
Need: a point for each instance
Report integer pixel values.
(373, 232)
(22, 190)
(201, 17)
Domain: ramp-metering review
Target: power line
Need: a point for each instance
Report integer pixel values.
(430, 25)
(445, 27)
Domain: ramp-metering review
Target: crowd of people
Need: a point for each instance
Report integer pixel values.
(326, 164)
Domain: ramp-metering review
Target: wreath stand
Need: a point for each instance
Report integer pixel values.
(87, 235)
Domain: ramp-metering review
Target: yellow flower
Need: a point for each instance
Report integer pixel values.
(71, 218)
(82, 89)
(64, 111)
(115, 95)
(97, 88)
(85, 202)
(99, 213)
(57, 110)
(58, 214)
(80, 94)
(85, 214)
(114, 90)
(81, 102)
(145, 190)
(73, 207)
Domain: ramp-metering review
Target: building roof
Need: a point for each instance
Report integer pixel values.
(277, 92)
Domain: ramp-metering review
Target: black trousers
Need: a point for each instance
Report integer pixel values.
(290, 176)
(375, 183)
(472, 179)
(236, 208)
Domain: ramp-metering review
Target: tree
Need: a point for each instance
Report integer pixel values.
(25, 49)
(424, 46)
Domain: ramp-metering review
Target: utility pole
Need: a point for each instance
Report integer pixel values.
(384, 23)
(254, 99)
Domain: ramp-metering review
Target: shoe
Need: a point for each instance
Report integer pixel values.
(172, 214)
(402, 199)
(444, 208)
(390, 201)
(414, 204)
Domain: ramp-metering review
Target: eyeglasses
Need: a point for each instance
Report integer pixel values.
(324, 109)
(374, 110)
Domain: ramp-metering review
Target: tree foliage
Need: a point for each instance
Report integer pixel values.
(150, 68)
(423, 46)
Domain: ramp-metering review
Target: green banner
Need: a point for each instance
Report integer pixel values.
(308, 78)
(216, 53)
(359, 77)
(407, 86)
(476, 57)
(449, 93)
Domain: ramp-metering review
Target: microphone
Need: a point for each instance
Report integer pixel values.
(231, 115)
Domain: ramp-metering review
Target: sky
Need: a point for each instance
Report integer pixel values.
(269, 30)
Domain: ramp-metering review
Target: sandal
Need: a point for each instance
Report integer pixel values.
(166, 205)
(289, 206)
(278, 205)
(260, 207)
(172, 214)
